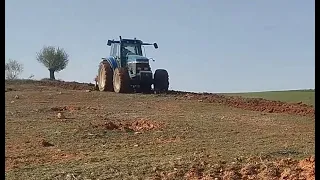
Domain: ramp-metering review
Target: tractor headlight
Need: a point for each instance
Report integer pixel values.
(139, 68)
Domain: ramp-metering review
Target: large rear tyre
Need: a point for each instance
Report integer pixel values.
(121, 80)
(105, 77)
(161, 80)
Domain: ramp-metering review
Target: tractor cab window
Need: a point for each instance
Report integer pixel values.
(131, 49)
(112, 50)
(117, 50)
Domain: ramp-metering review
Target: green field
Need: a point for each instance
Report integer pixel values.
(294, 96)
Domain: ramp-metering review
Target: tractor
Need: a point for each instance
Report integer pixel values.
(128, 70)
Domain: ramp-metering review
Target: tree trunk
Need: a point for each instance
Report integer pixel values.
(52, 74)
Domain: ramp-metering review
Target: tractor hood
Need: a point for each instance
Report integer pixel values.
(137, 59)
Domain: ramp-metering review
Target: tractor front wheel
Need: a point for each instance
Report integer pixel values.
(121, 80)
(105, 77)
(161, 80)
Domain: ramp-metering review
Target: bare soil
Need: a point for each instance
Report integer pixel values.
(254, 104)
(63, 130)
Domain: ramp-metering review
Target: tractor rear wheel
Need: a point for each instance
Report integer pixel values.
(121, 80)
(105, 77)
(161, 80)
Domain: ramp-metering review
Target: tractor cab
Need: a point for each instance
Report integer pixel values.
(127, 50)
(131, 48)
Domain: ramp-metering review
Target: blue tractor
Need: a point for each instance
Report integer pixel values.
(128, 70)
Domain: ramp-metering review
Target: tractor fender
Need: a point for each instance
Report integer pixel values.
(113, 63)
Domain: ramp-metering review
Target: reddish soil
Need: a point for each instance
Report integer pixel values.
(56, 83)
(136, 125)
(281, 169)
(254, 104)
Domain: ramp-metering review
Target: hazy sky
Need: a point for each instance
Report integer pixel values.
(206, 45)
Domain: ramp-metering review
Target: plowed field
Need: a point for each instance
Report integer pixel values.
(65, 130)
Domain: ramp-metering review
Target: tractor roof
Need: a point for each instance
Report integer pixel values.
(130, 41)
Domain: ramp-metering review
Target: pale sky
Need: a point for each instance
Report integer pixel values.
(206, 45)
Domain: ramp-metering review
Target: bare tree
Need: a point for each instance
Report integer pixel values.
(13, 69)
(55, 59)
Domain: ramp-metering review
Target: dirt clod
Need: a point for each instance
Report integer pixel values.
(61, 116)
(111, 126)
(8, 89)
(136, 125)
(46, 143)
(65, 108)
